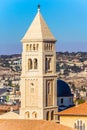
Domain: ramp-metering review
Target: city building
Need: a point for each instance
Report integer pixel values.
(75, 117)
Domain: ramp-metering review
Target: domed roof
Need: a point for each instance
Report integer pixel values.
(63, 89)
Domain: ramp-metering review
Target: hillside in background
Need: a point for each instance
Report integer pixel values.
(71, 67)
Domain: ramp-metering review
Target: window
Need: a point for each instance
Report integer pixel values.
(48, 115)
(36, 47)
(49, 87)
(35, 64)
(30, 46)
(79, 125)
(29, 64)
(51, 46)
(61, 100)
(33, 46)
(48, 63)
(52, 115)
(27, 115)
(27, 47)
(34, 115)
(47, 47)
(44, 46)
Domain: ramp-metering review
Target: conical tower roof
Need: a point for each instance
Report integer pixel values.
(38, 31)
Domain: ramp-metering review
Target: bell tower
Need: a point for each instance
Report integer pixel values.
(38, 78)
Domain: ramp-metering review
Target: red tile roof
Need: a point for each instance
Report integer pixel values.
(20, 124)
(80, 110)
(8, 107)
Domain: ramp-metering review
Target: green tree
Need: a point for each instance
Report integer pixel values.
(80, 101)
(7, 98)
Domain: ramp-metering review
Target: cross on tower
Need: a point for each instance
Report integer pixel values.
(38, 6)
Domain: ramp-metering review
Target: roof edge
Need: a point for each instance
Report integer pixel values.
(70, 114)
(38, 40)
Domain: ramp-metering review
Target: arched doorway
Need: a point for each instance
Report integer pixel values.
(52, 115)
(48, 115)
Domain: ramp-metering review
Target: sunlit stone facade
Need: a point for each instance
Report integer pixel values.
(38, 78)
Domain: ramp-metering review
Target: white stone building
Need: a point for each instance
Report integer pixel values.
(38, 78)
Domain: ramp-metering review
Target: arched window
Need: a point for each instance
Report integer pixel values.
(34, 115)
(47, 63)
(33, 46)
(27, 115)
(32, 88)
(79, 125)
(52, 115)
(30, 46)
(61, 100)
(47, 47)
(48, 115)
(35, 64)
(44, 46)
(27, 47)
(29, 64)
(51, 46)
(36, 46)
(49, 87)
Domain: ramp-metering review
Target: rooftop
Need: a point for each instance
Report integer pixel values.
(19, 124)
(8, 107)
(9, 115)
(80, 110)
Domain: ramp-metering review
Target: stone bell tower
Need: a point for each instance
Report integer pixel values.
(38, 78)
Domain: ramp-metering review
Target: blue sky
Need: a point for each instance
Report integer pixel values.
(67, 20)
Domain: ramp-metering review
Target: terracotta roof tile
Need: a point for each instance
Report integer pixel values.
(76, 110)
(8, 107)
(31, 125)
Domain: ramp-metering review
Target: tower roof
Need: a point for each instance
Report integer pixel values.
(38, 30)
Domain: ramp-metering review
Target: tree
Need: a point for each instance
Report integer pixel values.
(80, 100)
(7, 98)
(10, 82)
